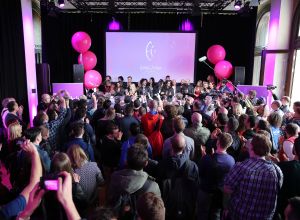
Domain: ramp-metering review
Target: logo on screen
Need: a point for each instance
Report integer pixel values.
(150, 51)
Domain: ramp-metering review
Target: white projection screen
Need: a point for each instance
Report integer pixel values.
(149, 54)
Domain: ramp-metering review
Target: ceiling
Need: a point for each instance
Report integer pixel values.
(142, 6)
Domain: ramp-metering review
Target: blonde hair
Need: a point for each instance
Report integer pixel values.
(14, 131)
(237, 109)
(77, 156)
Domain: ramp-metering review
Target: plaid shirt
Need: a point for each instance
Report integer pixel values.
(53, 127)
(255, 184)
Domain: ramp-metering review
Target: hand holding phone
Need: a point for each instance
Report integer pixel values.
(49, 182)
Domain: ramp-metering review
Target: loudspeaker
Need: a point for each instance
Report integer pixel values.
(239, 75)
(43, 79)
(78, 73)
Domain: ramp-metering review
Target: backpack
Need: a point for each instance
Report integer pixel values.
(179, 193)
(126, 204)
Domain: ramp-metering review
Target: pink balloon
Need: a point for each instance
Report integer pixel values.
(81, 41)
(216, 53)
(92, 79)
(228, 84)
(223, 69)
(88, 59)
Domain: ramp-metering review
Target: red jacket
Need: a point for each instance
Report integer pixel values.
(151, 125)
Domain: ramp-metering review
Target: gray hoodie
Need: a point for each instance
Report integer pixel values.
(129, 181)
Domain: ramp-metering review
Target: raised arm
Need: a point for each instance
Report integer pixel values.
(36, 168)
(64, 196)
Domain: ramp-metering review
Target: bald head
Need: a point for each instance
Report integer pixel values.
(46, 98)
(196, 118)
(178, 143)
(152, 104)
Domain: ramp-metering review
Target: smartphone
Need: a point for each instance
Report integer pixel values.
(51, 185)
(49, 182)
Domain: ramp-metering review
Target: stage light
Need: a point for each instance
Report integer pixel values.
(61, 3)
(238, 5)
(186, 25)
(114, 25)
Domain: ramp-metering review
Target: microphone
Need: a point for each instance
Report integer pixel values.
(202, 59)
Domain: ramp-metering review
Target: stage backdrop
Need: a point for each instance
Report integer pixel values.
(144, 54)
(235, 32)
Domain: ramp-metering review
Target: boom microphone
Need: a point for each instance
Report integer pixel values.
(202, 59)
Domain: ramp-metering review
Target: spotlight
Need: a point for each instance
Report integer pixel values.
(61, 3)
(238, 5)
(114, 25)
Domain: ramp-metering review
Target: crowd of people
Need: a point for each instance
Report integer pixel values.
(152, 150)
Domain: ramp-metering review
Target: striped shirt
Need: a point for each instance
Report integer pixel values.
(255, 184)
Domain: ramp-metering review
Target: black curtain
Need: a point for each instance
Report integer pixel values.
(235, 32)
(12, 56)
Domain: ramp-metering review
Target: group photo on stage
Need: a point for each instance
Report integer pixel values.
(149, 110)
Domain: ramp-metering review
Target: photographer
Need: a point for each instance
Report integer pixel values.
(17, 205)
(64, 196)
(53, 126)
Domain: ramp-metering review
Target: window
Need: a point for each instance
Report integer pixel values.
(261, 42)
(293, 76)
(295, 94)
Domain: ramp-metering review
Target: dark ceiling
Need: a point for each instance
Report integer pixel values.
(142, 6)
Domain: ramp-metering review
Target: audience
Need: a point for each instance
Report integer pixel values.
(198, 133)
(35, 136)
(251, 180)
(90, 174)
(212, 171)
(178, 128)
(127, 121)
(291, 173)
(127, 184)
(166, 151)
(292, 210)
(77, 138)
(150, 207)
(179, 179)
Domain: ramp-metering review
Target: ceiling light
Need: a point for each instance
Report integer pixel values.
(61, 3)
(238, 5)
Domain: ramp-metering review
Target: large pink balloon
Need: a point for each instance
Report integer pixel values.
(81, 41)
(88, 59)
(92, 79)
(216, 53)
(223, 69)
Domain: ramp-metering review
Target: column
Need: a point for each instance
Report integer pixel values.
(28, 34)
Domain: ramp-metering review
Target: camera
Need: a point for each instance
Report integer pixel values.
(49, 182)
(224, 81)
(271, 87)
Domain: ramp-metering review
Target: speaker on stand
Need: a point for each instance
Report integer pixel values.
(78, 73)
(43, 79)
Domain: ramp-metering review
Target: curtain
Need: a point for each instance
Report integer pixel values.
(12, 56)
